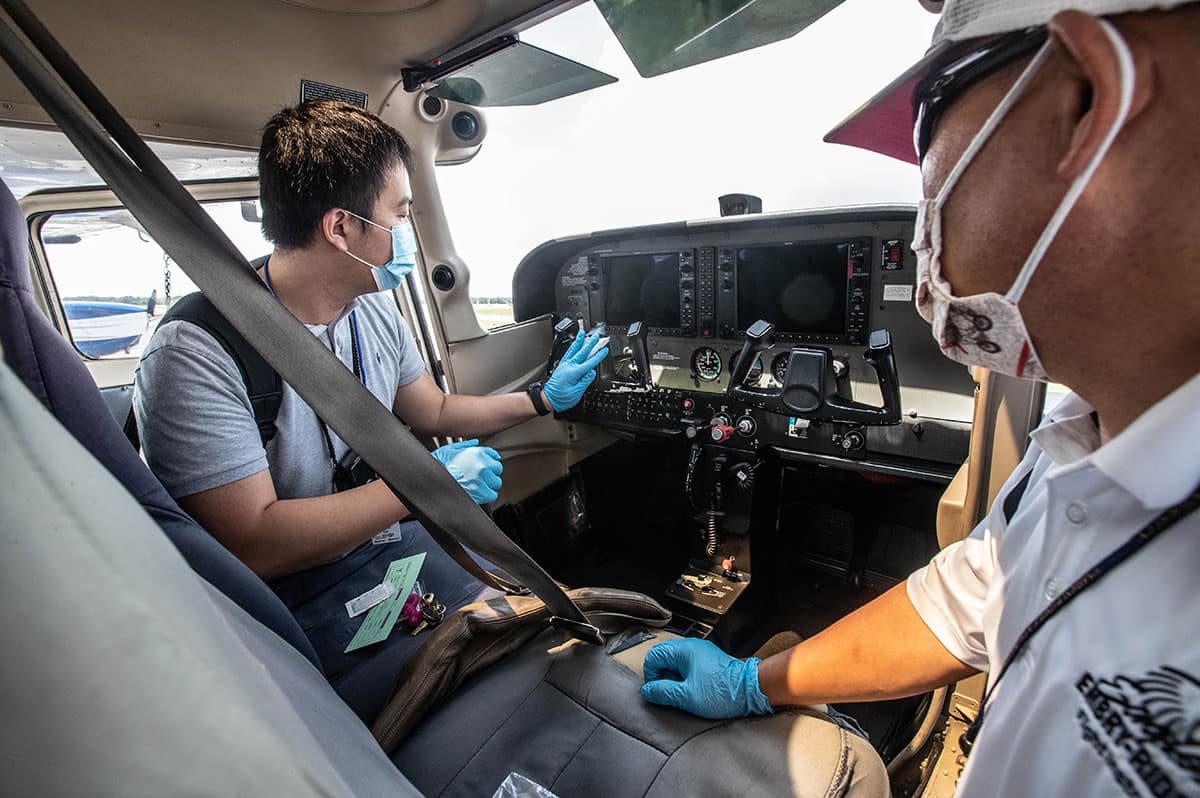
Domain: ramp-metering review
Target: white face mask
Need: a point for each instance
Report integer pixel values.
(987, 329)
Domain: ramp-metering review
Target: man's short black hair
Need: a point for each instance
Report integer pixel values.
(320, 155)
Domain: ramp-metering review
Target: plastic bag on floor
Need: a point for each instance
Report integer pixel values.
(517, 786)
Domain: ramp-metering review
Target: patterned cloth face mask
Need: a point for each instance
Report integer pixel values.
(987, 329)
(404, 255)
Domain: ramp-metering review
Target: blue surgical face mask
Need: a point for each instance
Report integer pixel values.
(404, 255)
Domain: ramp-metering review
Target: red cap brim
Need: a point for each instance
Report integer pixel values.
(885, 123)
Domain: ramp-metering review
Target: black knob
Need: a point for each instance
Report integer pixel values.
(853, 441)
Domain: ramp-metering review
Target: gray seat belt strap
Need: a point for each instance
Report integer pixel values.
(189, 236)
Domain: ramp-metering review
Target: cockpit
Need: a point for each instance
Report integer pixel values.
(773, 440)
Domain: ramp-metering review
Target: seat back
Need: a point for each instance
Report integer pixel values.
(126, 673)
(50, 368)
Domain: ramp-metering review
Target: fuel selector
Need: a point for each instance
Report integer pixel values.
(747, 426)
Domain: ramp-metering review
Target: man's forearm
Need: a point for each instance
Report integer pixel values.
(291, 535)
(477, 416)
(882, 651)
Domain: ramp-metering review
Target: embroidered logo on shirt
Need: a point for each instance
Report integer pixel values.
(1146, 729)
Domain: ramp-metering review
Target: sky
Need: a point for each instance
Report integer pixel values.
(639, 151)
(662, 149)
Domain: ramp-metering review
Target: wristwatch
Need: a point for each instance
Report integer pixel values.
(535, 396)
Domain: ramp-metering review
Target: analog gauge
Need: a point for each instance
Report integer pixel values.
(752, 376)
(706, 363)
(779, 367)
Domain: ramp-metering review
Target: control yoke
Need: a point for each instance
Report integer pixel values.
(636, 333)
(564, 334)
(810, 387)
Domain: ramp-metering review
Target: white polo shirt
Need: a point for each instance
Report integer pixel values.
(1105, 699)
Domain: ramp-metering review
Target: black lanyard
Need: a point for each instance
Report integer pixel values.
(356, 359)
(1149, 532)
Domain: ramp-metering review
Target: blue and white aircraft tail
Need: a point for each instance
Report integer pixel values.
(106, 328)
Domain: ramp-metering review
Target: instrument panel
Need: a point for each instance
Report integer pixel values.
(811, 291)
(827, 282)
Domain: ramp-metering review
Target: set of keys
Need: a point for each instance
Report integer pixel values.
(702, 584)
(695, 582)
(432, 612)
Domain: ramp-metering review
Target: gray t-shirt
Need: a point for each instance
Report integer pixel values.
(197, 426)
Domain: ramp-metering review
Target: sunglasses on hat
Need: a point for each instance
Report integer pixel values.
(942, 86)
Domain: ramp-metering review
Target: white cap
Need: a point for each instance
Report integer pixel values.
(885, 123)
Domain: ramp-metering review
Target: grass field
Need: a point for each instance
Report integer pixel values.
(493, 315)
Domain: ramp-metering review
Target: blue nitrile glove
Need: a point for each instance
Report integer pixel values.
(477, 468)
(574, 373)
(697, 677)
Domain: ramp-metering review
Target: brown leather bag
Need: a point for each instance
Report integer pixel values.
(481, 634)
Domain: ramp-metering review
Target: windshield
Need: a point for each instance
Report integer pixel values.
(642, 151)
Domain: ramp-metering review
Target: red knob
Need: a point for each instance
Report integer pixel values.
(721, 432)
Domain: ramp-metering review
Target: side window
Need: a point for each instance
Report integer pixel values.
(1055, 393)
(493, 311)
(115, 282)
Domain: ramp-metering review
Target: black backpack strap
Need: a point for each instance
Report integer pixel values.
(131, 430)
(263, 385)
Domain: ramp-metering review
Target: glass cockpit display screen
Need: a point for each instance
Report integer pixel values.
(643, 288)
(800, 288)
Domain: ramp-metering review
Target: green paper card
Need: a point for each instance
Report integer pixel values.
(401, 575)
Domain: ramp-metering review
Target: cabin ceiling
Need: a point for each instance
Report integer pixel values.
(213, 71)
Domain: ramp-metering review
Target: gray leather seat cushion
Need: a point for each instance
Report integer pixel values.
(571, 719)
